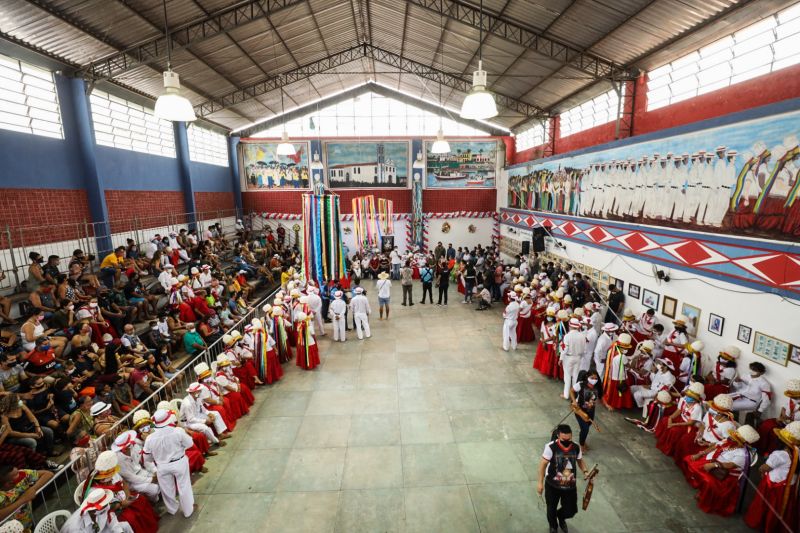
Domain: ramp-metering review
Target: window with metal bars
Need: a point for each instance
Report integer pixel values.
(766, 46)
(28, 99)
(536, 135)
(207, 146)
(120, 123)
(601, 109)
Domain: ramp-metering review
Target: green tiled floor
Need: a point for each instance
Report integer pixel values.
(426, 427)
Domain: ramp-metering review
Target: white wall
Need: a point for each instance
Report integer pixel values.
(400, 228)
(459, 234)
(763, 312)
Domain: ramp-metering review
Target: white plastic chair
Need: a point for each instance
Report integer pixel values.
(175, 404)
(78, 496)
(49, 523)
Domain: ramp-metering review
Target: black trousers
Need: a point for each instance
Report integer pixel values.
(585, 426)
(443, 291)
(569, 504)
(427, 288)
(407, 292)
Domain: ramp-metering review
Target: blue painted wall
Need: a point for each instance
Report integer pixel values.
(211, 178)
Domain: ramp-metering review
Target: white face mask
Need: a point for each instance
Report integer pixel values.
(753, 374)
(593, 381)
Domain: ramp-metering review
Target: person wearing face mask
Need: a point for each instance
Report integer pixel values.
(753, 392)
(686, 417)
(510, 318)
(193, 342)
(41, 361)
(675, 343)
(572, 348)
(604, 342)
(661, 380)
(585, 394)
(11, 373)
(35, 271)
(658, 411)
(558, 466)
(546, 350)
(713, 430)
(691, 363)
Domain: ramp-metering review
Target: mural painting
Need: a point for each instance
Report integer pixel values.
(368, 164)
(264, 169)
(740, 178)
(469, 164)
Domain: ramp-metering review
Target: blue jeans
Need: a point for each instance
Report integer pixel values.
(396, 271)
(107, 276)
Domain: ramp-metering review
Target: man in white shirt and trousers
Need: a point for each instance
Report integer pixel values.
(195, 416)
(510, 317)
(128, 449)
(166, 447)
(573, 348)
(336, 311)
(604, 342)
(361, 311)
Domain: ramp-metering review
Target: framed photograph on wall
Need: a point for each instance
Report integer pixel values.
(650, 299)
(715, 324)
(794, 355)
(743, 335)
(771, 348)
(669, 307)
(619, 283)
(634, 290)
(693, 314)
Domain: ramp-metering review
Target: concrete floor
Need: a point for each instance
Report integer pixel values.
(429, 426)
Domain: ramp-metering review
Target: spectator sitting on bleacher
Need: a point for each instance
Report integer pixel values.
(132, 341)
(111, 312)
(111, 267)
(193, 342)
(42, 404)
(77, 268)
(25, 428)
(177, 328)
(35, 272)
(17, 490)
(205, 275)
(158, 263)
(208, 330)
(176, 246)
(50, 269)
(12, 373)
(122, 397)
(103, 419)
(64, 317)
(81, 423)
(41, 361)
(82, 338)
(137, 295)
(165, 280)
(92, 314)
(5, 306)
(43, 299)
(142, 381)
(134, 259)
(153, 246)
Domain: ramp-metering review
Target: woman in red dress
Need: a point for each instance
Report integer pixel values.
(718, 381)
(712, 431)
(775, 501)
(789, 413)
(657, 412)
(683, 421)
(525, 321)
(212, 397)
(617, 394)
(546, 349)
(307, 349)
(720, 472)
(234, 400)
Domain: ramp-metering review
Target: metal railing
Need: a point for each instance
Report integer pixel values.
(59, 492)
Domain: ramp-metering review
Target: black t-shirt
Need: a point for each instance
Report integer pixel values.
(563, 464)
(444, 275)
(469, 273)
(616, 300)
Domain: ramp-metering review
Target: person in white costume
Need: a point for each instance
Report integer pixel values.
(359, 305)
(573, 348)
(315, 304)
(95, 516)
(166, 447)
(129, 451)
(510, 318)
(336, 311)
(752, 392)
(661, 379)
(604, 342)
(195, 416)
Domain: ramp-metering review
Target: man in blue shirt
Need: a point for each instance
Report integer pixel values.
(426, 276)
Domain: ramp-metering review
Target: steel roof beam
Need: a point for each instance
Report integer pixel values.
(591, 64)
(192, 32)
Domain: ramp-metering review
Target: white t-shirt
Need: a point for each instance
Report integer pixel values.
(384, 288)
(396, 259)
(780, 463)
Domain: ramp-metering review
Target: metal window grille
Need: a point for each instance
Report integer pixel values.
(601, 109)
(536, 135)
(28, 99)
(120, 123)
(206, 146)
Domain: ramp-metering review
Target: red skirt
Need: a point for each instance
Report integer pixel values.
(685, 448)
(461, 287)
(274, 369)
(247, 395)
(196, 459)
(525, 329)
(712, 389)
(791, 222)
(759, 515)
(768, 441)
(744, 218)
(661, 429)
(537, 321)
(616, 399)
(236, 404)
(291, 337)
(715, 496)
(226, 416)
(140, 515)
(545, 355)
(246, 374)
(200, 442)
(313, 356)
(638, 336)
(670, 436)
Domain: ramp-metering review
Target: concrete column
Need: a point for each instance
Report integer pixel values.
(184, 170)
(236, 178)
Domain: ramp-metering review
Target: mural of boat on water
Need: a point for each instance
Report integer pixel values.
(469, 164)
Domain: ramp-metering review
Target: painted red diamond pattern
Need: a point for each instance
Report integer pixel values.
(637, 242)
(570, 229)
(598, 234)
(530, 221)
(779, 269)
(695, 254)
(516, 218)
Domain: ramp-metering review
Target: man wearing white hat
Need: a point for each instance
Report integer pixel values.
(752, 392)
(604, 342)
(166, 277)
(196, 417)
(591, 336)
(129, 449)
(661, 380)
(510, 317)
(95, 516)
(361, 311)
(166, 447)
(572, 348)
(315, 304)
(336, 311)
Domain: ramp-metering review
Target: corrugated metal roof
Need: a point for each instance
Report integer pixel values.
(638, 33)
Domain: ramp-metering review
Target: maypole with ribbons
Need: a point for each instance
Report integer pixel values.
(323, 255)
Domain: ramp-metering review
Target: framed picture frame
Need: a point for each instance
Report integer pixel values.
(619, 283)
(715, 324)
(771, 348)
(605, 278)
(650, 299)
(669, 307)
(744, 333)
(794, 355)
(634, 290)
(693, 314)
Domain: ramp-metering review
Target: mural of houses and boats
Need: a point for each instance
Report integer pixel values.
(468, 164)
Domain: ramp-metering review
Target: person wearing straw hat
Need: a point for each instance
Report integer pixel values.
(336, 311)
(211, 395)
(95, 516)
(775, 501)
(572, 348)
(384, 286)
(676, 341)
(545, 350)
(617, 394)
(683, 421)
(720, 472)
(713, 430)
(643, 329)
(166, 447)
(128, 448)
(752, 392)
(719, 380)
(307, 350)
(230, 388)
(525, 321)
(200, 446)
(661, 380)
(138, 512)
(641, 363)
(790, 412)
(196, 417)
(691, 363)
(604, 342)
(660, 409)
(510, 317)
(361, 311)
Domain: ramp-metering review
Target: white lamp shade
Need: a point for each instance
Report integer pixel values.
(171, 105)
(479, 105)
(440, 146)
(285, 147)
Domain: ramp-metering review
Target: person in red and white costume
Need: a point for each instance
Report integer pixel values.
(212, 397)
(525, 321)
(197, 453)
(307, 349)
(718, 470)
(752, 392)
(775, 501)
(230, 373)
(659, 410)
(128, 448)
(628, 324)
(676, 341)
(166, 447)
(567, 304)
(230, 388)
(719, 380)
(660, 380)
(617, 394)
(691, 363)
(510, 318)
(683, 421)
(572, 348)
(94, 516)
(604, 342)
(713, 430)
(196, 417)
(643, 329)
(790, 412)
(641, 364)
(546, 349)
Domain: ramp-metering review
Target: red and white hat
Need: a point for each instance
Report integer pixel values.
(163, 418)
(610, 327)
(574, 323)
(194, 387)
(124, 441)
(96, 500)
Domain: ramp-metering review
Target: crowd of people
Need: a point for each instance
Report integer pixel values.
(103, 336)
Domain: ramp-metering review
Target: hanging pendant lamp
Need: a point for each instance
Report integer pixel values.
(171, 105)
(479, 103)
(285, 147)
(440, 146)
